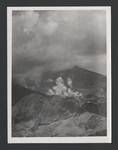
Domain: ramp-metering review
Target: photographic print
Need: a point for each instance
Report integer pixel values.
(59, 74)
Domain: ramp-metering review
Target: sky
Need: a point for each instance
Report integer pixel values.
(57, 40)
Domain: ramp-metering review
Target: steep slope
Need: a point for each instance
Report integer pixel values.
(18, 92)
(83, 80)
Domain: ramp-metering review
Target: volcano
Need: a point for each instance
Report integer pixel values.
(35, 113)
(81, 78)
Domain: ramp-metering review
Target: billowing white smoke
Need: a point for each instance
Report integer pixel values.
(62, 90)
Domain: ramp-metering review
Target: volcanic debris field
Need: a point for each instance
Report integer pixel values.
(68, 103)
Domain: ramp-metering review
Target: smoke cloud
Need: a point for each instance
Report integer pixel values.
(58, 40)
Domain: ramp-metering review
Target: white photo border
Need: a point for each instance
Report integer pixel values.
(98, 139)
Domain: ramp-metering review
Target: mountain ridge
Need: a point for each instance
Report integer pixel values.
(81, 78)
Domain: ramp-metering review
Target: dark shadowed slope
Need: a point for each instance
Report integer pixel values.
(18, 92)
(81, 78)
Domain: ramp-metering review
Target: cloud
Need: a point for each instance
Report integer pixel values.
(57, 40)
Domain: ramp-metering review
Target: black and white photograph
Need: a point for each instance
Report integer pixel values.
(59, 74)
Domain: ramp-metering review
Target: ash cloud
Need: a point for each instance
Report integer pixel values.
(58, 40)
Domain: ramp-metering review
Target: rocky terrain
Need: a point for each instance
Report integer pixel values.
(37, 114)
